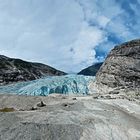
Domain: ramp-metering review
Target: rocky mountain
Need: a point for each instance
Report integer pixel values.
(121, 69)
(92, 70)
(15, 70)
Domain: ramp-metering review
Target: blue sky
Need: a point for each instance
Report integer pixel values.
(67, 34)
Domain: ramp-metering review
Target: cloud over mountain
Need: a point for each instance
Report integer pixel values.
(68, 35)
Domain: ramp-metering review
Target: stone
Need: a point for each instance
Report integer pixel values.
(121, 68)
(41, 104)
(86, 119)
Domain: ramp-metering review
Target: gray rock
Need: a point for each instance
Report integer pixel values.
(83, 119)
(41, 104)
(121, 67)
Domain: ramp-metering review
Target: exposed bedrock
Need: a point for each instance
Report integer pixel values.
(121, 68)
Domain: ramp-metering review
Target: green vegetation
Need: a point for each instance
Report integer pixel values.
(22, 64)
(4, 65)
(7, 109)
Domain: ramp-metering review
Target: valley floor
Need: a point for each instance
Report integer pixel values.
(59, 117)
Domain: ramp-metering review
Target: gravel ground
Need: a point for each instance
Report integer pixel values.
(59, 117)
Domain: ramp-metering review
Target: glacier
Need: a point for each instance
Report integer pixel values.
(68, 84)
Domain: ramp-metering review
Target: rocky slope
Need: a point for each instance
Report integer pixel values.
(60, 117)
(15, 70)
(91, 71)
(121, 69)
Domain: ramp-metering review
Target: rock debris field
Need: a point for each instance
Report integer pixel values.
(60, 117)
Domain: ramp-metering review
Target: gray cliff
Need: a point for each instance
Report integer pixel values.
(121, 69)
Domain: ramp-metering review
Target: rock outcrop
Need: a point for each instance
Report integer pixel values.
(92, 70)
(15, 70)
(121, 69)
(63, 118)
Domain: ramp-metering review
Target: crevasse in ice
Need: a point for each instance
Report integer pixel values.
(69, 84)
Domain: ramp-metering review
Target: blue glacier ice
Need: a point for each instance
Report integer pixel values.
(69, 84)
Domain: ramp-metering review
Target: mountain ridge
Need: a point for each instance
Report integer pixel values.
(91, 70)
(121, 69)
(15, 70)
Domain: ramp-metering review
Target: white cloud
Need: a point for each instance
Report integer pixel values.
(48, 31)
(84, 53)
(63, 33)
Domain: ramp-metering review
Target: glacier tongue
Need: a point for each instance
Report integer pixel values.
(69, 84)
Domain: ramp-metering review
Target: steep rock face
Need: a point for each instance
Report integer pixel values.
(92, 70)
(14, 70)
(121, 68)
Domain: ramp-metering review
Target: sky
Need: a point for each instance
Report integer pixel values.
(66, 34)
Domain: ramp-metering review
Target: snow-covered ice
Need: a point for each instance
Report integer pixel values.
(69, 84)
